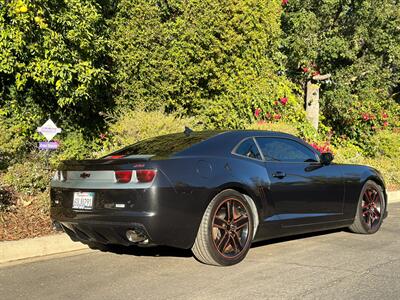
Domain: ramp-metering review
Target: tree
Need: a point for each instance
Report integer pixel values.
(52, 63)
(358, 41)
(219, 59)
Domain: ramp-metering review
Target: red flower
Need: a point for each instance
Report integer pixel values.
(285, 2)
(323, 148)
(385, 115)
(284, 100)
(257, 112)
(305, 69)
(276, 102)
(277, 116)
(386, 124)
(365, 117)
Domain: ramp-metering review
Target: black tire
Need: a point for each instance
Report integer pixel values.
(226, 230)
(370, 209)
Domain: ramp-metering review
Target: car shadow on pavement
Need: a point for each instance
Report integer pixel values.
(155, 251)
(296, 237)
(164, 251)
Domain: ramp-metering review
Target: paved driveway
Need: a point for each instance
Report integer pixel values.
(332, 265)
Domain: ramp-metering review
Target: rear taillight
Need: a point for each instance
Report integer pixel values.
(145, 175)
(123, 176)
(142, 176)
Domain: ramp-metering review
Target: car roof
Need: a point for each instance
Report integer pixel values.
(249, 133)
(224, 141)
(195, 143)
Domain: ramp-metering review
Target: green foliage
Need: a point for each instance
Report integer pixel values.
(274, 126)
(237, 108)
(30, 176)
(135, 125)
(347, 152)
(11, 141)
(386, 143)
(74, 145)
(52, 57)
(214, 58)
(358, 42)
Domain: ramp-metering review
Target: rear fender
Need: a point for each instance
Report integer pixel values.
(256, 195)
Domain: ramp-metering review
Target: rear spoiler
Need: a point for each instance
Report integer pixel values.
(137, 161)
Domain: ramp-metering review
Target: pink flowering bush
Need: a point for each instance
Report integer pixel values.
(322, 148)
(274, 111)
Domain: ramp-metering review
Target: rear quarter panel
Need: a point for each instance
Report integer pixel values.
(197, 180)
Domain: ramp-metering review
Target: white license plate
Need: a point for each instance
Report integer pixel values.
(83, 200)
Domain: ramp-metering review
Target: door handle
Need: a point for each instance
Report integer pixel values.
(279, 174)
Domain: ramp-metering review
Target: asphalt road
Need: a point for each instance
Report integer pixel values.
(332, 265)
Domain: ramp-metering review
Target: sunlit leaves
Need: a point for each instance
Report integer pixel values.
(214, 58)
(52, 52)
(358, 43)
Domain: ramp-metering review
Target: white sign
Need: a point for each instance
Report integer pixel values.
(49, 130)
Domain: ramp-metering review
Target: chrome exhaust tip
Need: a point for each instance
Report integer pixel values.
(57, 226)
(136, 236)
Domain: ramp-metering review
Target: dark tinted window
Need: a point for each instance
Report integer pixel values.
(277, 149)
(248, 148)
(166, 145)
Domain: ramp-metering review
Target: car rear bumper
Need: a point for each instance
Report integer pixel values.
(163, 216)
(105, 229)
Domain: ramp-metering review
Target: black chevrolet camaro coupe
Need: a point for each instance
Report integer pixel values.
(215, 192)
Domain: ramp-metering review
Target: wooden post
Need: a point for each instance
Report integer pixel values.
(312, 99)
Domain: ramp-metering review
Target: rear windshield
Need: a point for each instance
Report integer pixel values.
(165, 145)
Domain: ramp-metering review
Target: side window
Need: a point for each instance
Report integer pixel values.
(248, 148)
(277, 149)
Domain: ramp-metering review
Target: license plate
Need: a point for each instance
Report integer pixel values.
(83, 200)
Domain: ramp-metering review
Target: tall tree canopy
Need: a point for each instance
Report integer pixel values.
(219, 58)
(52, 61)
(358, 41)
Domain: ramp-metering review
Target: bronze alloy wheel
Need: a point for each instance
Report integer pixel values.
(372, 204)
(226, 230)
(370, 210)
(230, 231)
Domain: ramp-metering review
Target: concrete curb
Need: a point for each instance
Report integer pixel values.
(60, 243)
(29, 248)
(394, 196)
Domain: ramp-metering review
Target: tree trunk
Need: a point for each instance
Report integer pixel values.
(312, 103)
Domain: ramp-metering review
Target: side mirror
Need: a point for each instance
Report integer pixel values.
(326, 158)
